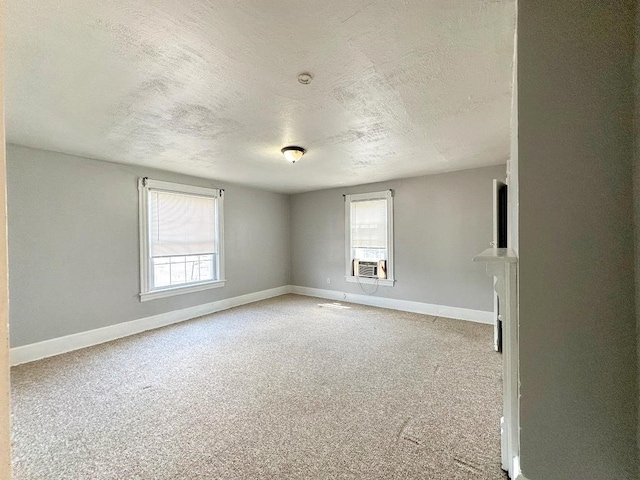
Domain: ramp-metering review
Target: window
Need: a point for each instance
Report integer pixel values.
(181, 239)
(369, 238)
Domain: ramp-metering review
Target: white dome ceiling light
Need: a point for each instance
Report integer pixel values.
(292, 153)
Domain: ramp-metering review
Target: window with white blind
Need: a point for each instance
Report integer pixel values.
(369, 238)
(181, 239)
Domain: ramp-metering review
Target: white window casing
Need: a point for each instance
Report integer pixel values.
(369, 228)
(181, 238)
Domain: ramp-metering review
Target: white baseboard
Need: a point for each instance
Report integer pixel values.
(478, 316)
(517, 473)
(56, 346)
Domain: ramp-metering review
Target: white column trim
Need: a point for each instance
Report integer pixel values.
(5, 407)
(502, 264)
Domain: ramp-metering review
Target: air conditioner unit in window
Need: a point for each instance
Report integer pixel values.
(370, 269)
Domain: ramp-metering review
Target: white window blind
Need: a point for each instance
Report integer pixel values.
(369, 224)
(181, 224)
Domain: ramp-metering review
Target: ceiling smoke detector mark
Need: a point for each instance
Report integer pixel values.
(305, 78)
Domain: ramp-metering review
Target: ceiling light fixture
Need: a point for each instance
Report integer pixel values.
(293, 154)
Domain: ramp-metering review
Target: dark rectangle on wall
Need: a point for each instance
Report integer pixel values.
(502, 216)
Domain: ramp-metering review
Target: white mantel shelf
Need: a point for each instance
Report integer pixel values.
(497, 255)
(502, 265)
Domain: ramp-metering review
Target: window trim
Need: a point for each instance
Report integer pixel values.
(383, 195)
(144, 186)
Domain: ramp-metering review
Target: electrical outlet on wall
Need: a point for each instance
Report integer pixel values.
(328, 280)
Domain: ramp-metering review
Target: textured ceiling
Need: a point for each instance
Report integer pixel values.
(208, 87)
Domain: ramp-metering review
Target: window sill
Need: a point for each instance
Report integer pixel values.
(385, 282)
(170, 292)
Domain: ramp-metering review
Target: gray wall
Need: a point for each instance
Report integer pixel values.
(74, 248)
(440, 223)
(577, 322)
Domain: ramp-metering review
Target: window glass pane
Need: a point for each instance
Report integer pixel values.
(193, 269)
(206, 267)
(369, 253)
(178, 270)
(161, 272)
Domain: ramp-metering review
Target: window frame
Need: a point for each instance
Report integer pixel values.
(348, 199)
(144, 186)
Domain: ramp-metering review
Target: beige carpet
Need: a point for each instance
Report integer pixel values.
(279, 389)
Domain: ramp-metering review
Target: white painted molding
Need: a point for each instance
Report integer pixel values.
(502, 265)
(56, 346)
(478, 316)
(517, 473)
